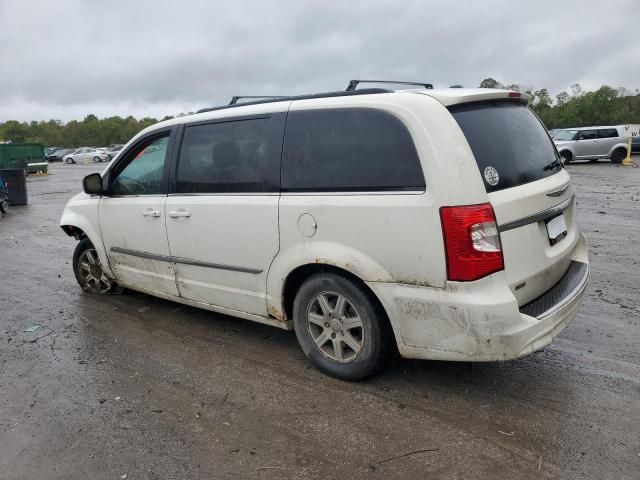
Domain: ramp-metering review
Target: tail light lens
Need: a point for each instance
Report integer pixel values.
(472, 242)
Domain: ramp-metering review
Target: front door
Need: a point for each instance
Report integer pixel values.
(222, 218)
(132, 219)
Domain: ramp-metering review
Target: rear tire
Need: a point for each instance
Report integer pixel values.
(4, 206)
(341, 327)
(88, 269)
(618, 155)
(97, 159)
(566, 157)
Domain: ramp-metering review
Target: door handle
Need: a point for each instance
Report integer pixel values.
(151, 213)
(179, 213)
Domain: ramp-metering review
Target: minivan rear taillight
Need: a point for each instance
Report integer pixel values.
(472, 242)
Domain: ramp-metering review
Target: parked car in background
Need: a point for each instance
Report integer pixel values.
(441, 222)
(84, 154)
(59, 154)
(104, 150)
(635, 144)
(591, 143)
(49, 150)
(114, 150)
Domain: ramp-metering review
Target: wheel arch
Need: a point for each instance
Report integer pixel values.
(618, 146)
(78, 226)
(301, 273)
(562, 150)
(74, 231)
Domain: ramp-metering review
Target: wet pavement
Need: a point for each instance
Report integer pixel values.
(117, 385)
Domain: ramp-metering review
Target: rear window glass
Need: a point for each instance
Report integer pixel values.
(510, 144)
(354, 149)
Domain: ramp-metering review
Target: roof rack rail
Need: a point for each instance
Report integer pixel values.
(235, 98)
(354, 83)
(341, 93)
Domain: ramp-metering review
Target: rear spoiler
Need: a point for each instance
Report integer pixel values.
(456, 96)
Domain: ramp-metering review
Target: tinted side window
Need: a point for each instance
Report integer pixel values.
(224, 157)
(143, 175)
(354, 149)
(588, 135)
(607, 133)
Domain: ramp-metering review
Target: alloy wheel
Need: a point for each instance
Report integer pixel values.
(91, 274)
(335, 327)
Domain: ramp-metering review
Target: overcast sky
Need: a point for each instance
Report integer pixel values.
(64, 59)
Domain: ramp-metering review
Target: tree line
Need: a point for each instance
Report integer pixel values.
(573, 108)
(579, 108)
(92, 131)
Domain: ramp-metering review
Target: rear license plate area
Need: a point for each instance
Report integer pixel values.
(556, 228)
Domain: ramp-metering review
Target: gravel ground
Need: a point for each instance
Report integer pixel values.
(132, 385)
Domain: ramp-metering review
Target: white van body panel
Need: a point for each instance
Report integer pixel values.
(473, 321)
(81, 212)
(391, 241)
(530, 262)
(231, 240)
(134, 236)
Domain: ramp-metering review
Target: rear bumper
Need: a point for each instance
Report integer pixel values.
(481, 321)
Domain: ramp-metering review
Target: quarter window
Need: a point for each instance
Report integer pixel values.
(607, 133)
(224, 157)
(349, 150)
(144, 173)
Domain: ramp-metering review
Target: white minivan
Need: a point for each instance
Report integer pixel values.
(437, 222)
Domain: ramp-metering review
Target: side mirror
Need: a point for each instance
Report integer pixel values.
(92, 184)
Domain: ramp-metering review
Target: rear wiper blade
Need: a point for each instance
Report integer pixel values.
(552, 165)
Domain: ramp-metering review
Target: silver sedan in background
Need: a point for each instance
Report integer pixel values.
(85, 154)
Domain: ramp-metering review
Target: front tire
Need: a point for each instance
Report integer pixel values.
(340, 327)
(618, 155)
(4, 206)
(97, 159)
(88, 269)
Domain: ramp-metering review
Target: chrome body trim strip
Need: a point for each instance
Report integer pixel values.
(537, 217)
(185, 261)
(558, 192)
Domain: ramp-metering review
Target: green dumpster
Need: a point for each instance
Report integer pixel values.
(18, 155)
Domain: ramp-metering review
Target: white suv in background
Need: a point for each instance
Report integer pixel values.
(591, 143)
(364, 220)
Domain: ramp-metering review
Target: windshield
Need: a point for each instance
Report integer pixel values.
(510, 144)
(565, 135)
